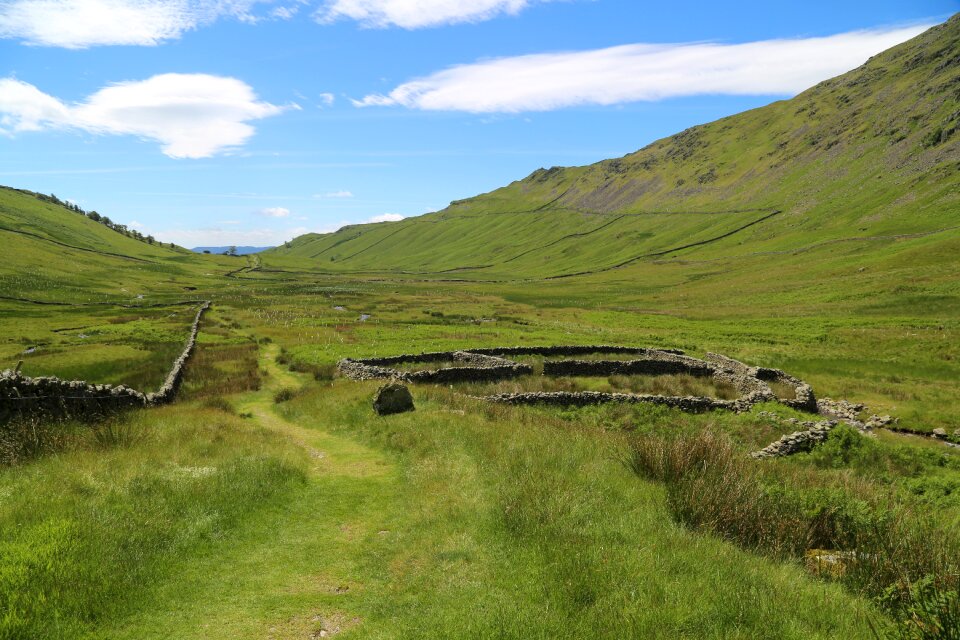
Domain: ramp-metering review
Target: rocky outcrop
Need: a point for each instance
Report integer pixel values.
(50, 397)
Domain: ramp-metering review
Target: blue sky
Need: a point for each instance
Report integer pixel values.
(252, 121)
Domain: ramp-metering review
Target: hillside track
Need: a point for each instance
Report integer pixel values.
(298, 568)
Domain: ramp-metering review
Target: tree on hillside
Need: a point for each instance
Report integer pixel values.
(232, 251)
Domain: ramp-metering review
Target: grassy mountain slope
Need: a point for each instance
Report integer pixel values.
(874, 152)
(53, 254)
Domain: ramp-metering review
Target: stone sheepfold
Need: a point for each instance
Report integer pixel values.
(51, 397)
(492, 364)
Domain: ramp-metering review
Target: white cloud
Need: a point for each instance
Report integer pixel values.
(415, 14)
(629, 73)
(387, 217)
(23, 107)
(326, 99)
(335, 194)
(190, 115)
(77, 24)
(274, 212)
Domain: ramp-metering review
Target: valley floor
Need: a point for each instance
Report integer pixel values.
(270, 502)
(453, 521)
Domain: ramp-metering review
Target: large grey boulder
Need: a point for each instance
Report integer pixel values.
(392, 398)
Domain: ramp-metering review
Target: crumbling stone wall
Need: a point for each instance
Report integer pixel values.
(797, 441)
(803, 400)
(50, 397)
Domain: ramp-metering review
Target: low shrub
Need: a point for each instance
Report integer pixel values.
(283, 395)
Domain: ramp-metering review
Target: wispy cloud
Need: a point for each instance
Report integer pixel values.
(415, 14)
(640, 72)
(335, 194)
(77, 24)
(274, 212)
(190, 115)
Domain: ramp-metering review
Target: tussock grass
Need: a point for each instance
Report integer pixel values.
(886, 548)
(217, 370)
(520, 524)
(26, 438)
(284, 395)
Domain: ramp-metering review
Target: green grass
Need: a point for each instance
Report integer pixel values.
(86, 533)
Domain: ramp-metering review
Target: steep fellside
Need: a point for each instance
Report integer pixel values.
(872, 153)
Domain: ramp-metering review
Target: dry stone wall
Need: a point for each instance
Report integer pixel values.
(476, 367)
(692, 404)
(741, 373)
(797, 441)
(50, 397)
(647, 364)
(491, 364)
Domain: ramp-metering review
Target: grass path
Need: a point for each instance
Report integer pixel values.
(482, 525)
(293, 571)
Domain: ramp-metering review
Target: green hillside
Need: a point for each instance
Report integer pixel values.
(870, 154)
(54, 254)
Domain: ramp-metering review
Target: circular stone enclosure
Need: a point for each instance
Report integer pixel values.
(752, 384)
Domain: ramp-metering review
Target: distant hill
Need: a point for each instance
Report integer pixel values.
(241, 251)
(873, 153)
